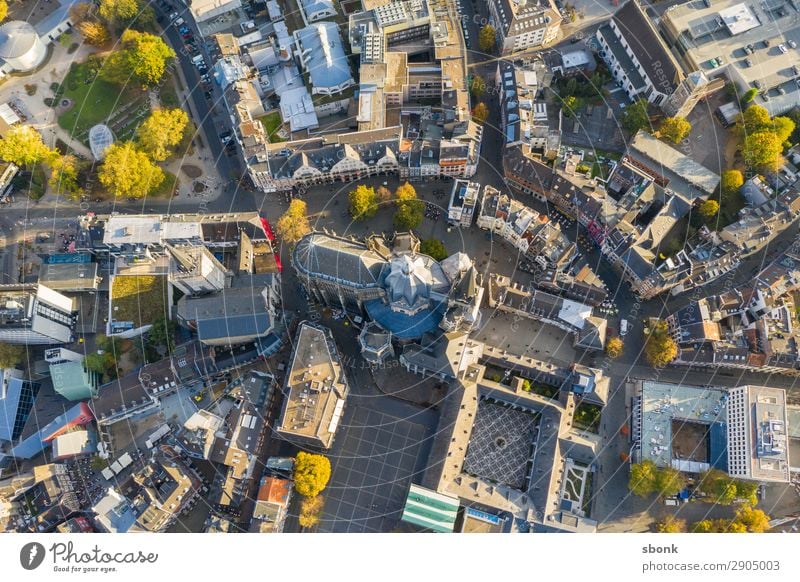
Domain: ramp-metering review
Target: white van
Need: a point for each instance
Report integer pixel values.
(623, 327)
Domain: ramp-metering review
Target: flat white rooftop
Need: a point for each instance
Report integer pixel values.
(739, 18)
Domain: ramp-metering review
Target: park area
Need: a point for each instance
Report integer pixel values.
(140, 299)
(85, 100)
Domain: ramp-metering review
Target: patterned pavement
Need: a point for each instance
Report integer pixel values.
(502, 444)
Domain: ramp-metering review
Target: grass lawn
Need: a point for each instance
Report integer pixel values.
(141, 299)
(97, 101)
(587, 417)
(272, 123)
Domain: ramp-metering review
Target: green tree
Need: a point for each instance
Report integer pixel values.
(23, 146)
(635, 116)
(731, 181)
(671, 524)
(410, 210)
(142, 57)
(434, 248)
(311, 473)
(293, 224)
(659, 347)
(709, 209)
(64, 176)
(104, 364)
(749, 95)
(11, 355)
(614, 347)
(128, 172)
(668, 482)
(675, 129)
(480, 113)
(161, 132)
(118, 13)
(3, 10)
(94, 33)
(363, 202)
(477, 87)
(161, 336)
(724, 490)
(98, 463)
(762, 149)
(643, 478)
(487, 37)
(794, 115)
(571, 104)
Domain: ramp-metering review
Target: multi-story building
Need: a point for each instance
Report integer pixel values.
(540, 240)
(463, 200)
(758, 442)
(526, 118)
(315, 389)
(588, 331)
(321, 54)
(35, 314)
(166, 488)
(245, 430)
(413, 109)
(313, 10)
(740, 41)
(644, 67)
(17, 397)
(524, 24)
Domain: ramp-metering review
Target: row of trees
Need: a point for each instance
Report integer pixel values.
(365, 200)
(96, 23)
(646, 478)
(23, 145)
(129, 168)
(747, 520)
(311, 475)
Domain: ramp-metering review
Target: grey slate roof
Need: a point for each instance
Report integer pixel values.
(648, 47)
(350, 262)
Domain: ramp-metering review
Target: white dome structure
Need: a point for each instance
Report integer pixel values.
(100, 139)
(20, 46)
